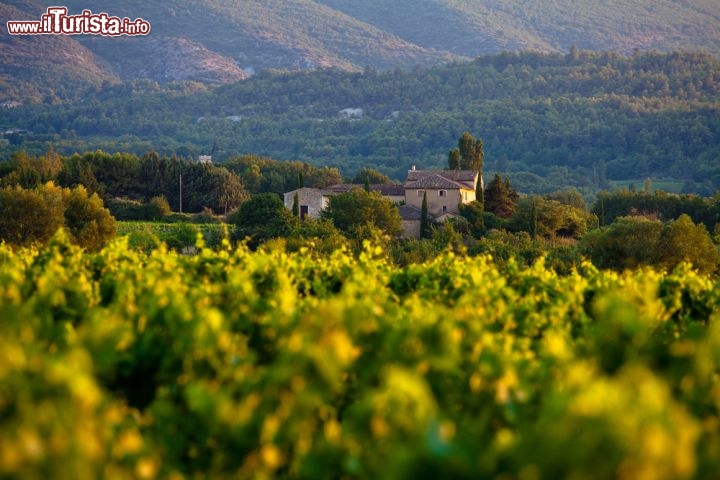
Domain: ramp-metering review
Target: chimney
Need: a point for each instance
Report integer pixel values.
(413, 168)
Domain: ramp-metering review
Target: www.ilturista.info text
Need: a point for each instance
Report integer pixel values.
(56, 21)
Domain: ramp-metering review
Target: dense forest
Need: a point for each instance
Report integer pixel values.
(548, 120)
(128, 178)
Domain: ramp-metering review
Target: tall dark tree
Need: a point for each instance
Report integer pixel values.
(472, 152)
(424, 221)
(469, 154)
(500, 198)
(296, 205)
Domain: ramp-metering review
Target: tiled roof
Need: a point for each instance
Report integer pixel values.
(409, 212)
(454, 175)
(341, 188)
(435, 182)
(394, 190)
(460, 179)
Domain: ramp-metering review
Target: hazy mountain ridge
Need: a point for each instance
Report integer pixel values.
(218, 41)
(285, 34)
(484, 26)
(28, 62)
(173, 59)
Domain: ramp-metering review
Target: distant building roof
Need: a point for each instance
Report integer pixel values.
(340, 188)
(302, 190)
(455, 175)
(441, 179)
(393, 190)
(434, 181)
(409, 212)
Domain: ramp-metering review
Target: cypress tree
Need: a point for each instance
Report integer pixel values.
(424, 222)
(296, 206)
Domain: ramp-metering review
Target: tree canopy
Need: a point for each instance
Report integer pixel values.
(548, 218)
(500, 198)
(468, 155)
(630, 242)
(370, 176)
(125, 175)
(32, 216)
(262, 218)
(349, 211)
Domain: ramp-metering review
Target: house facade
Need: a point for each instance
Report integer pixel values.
(445, 191)
(311, 201)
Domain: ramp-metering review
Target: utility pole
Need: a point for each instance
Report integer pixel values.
(181, 193)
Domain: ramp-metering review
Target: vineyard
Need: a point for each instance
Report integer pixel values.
(178, 236)
(238, 364)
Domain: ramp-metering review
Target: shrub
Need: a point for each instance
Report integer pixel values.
(32, 216)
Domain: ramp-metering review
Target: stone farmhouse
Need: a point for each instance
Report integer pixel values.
(445, 190)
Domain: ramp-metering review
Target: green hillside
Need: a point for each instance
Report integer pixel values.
(472, 28)
(274, 33)
(351, 34)
(618, 25)
(219, 41)
(580, 119)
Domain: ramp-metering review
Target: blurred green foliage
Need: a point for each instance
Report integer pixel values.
(269, 364)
